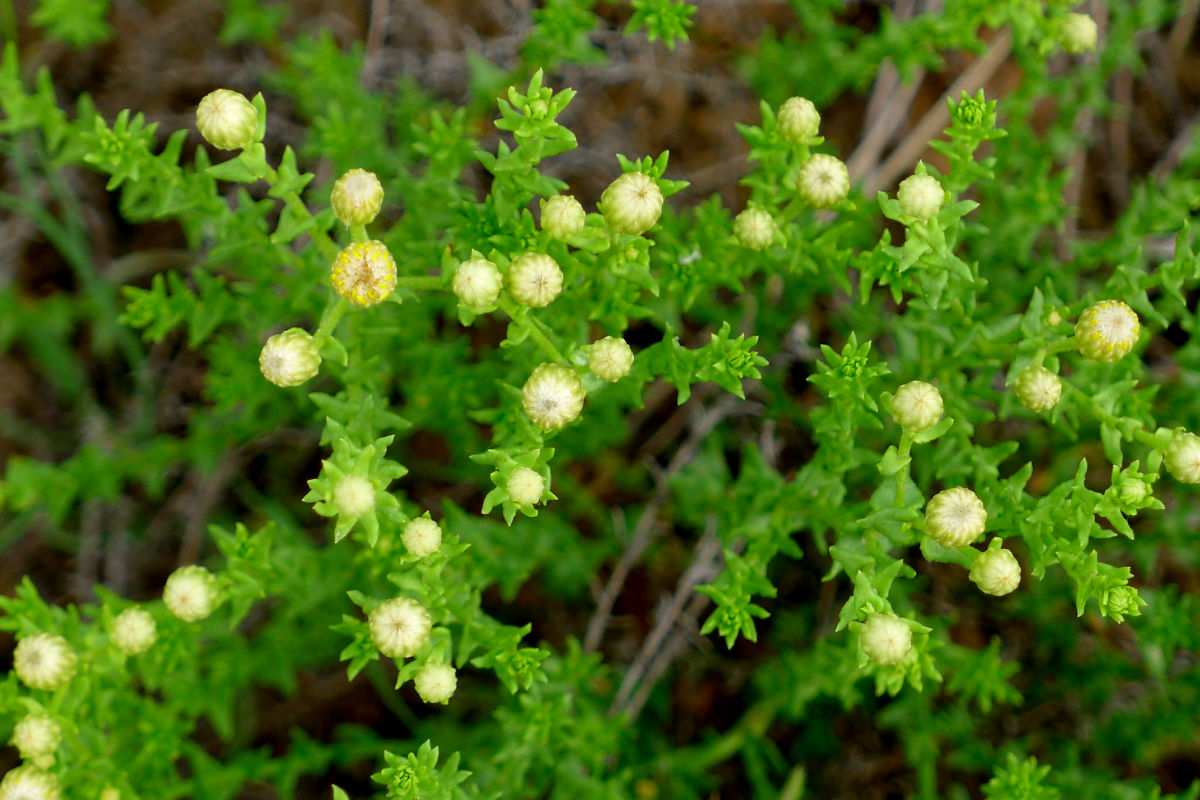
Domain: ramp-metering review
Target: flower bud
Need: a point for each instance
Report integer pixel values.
(354, 496)
(562, 216)
(1077, 33)
(1107, 330)
(552, 396)
(133, 631)
(917, 406)
(996, 572)
(955, 517)
(1182, 457)
(534, 279)
(632, 203)
(886, 639)
(824, 181)
(921, 196)
(364, 273)
(1133, 491)
(610, 359)
(1038, 389)
(399, 627)
(798, 120)
(477, 283)
(191, 593)
(435, 683)
(754, 229)
(44, 661)
(227, 120)
(290, 358)
(29, 783)
(357, 197)
(525, 487)
(421, 537)
(36, 738)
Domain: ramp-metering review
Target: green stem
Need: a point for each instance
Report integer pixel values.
(420, 282)
(332, 316)
(902, 476)
(327, 246)
(538, 335)
(1061, 346)
(358, 233)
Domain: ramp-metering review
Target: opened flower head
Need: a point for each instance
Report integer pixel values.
(823, 181)
(364, 273)
(1107, 330)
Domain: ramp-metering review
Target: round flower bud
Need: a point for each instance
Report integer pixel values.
(44, 661)
(610, 358)
(798, 120)
(754, 229)
(357, 197)
(110, 793)
(29, 783)
(227, 120)
(133, 631)
(553, 396)
(421, 537)
(477, 283)
(191, 593)
(525, 486)
(921, 196)
(354, 496)
(1182, 457)
(1107, 330)
(435, 683)
(632, 203)
(290, 358)
(36, 738)
(917, 406)
(399, 627)
(1038, 389)
(364, 273)
(955, 517)
(534, 279)
(562, 216)
(824, 181)
(1133, 491)
(996, 572)
(1077, 33)
(886, 639)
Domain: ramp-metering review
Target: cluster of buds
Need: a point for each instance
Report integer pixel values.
(29, 782)
(399, 627)
(36, 737)
(1077, 33)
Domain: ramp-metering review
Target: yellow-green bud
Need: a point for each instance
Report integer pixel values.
(534, 279)
(525, 486)
(921, 196)
(798, 120)
(421, 537)
(435, 683)
(399, 627)
(996, 572)
(552, 396)
(227, 120)
(29, 783)
(36, 738)
(357, 197)
(364, 273)
(886, 639)
(562, 216)
(610, 359)
(632, 203)
(917, 406)
(754, 229)
(477, 283)
(1182, 457)
(823, 181)
(1107, 330)
(44, 661)
(1038, 389)
(190, 593)
(290, 358)
(1077, 33)
(955, 517)
(354, 496)
(133, 631)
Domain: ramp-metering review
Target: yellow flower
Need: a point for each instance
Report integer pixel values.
(364, 273)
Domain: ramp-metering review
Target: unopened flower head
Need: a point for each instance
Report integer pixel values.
(364, 273)
(886, 639)
(562, 216)
(1107, 330)
(44, 661)
(357, 197)
(824, 181)
(1182, 457)
(1135, 490)
(1038, 389)
(610, 359)
(921, 196)
(754, 229)
(996, 572)
(133, 631)
(435, 683)
(525, 486)
(354, 496)
(227, 120)
(798, 120)
(917, 406)
(36, 737)
(534, 279)
(421, 537)
(29, 782)
(191, 593)
(477, 283)
(1077, 33)
(632, 203)
(552, 396)
(955, 517)
(290, 358)
(399, 627)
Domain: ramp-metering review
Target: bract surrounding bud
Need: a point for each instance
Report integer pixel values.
(996, 572)
(955, 517)
(886, 639)
(1182, 457)
(552, 396)
(610, 359)
(435, 683)
(921, 196)
(477, 283)
(44, 661)
(562, 216)
(525, 487)
(754, 229)
(36, 737)
(421, 537)
(1077, 33)
(29, 783)
(534, 279)
(632, 203)
(357, 197)
(354, 496)
(798, 120)
(133, 631)
(1038, 389)
(191, 593)
(227, 120)
(823, 181)
(290, 358)
(1107, 330)
(399, 627)
(364, 273)
(917, 406)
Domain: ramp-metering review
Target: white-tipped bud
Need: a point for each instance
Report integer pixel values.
(798, 120)
(886, 639)
(1107, 330)
(921, 196)
(44, 661)
(1182, 457)
(1038, 389)
(399, 627)
(36, 737)
(1077, 33)
(754, 229)
(562, 216)
(823, 181)
(290, 358)
(356, 198)
(435, 683)
(996, 572)
(477, 283)
(421, 537)
(28, 782)
(610, 358)
(553, 396)
(955, 517)
(191, 593)
(525, 487)
(917, 406)
(227, 120)
(632, 203)
(534, 279)
(364, 273)
(354, 496)
(133, 631)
